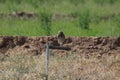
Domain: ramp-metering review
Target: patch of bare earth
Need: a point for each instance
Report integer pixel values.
(79, 45)
(90, 58)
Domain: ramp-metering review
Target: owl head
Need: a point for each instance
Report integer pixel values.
(60, 32)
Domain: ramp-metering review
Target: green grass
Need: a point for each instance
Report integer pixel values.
(71, 27)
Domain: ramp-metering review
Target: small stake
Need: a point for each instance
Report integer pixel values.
(47, 59)
(47, 55)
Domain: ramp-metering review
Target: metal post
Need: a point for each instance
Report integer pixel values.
(47, 59)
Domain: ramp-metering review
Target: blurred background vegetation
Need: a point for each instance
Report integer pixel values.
(73, 17)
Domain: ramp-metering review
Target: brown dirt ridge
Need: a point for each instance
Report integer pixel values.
(55, 16)
(78, 45)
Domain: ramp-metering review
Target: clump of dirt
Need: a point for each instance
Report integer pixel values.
(78, 45)
(19, 14)
(9, 42)
(22, 14)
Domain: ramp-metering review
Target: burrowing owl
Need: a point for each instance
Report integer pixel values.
(60, 37)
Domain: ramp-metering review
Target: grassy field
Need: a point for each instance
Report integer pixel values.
(75, 18)
(70, 67)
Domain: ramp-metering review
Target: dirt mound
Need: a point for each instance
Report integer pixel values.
(79, 45)
(19, 14)
(23, 14)
(55, 16)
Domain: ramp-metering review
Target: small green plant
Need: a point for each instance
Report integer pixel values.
(95, 18)
(2, 1)
(14, 1)
(84, 19)
(105, 1)
(35, 3)
(45, 19)
(76, 2)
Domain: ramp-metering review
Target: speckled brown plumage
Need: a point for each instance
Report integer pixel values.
(61, 38)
